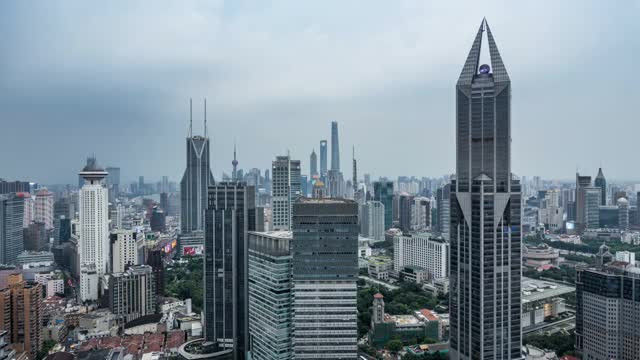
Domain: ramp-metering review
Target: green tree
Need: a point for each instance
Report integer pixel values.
(394, 346)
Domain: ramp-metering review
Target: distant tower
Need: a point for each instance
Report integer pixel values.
(335, 147)
(323, 158)
(313, 164)
(601, 182)
(234, 174)
(197, 177)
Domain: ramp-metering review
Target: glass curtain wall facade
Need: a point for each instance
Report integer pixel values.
(231, 213)
(325, 271)
(485, 260)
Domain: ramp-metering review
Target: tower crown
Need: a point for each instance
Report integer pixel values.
(472, 66)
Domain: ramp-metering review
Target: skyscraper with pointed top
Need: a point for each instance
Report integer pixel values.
(601, 183)
(234, 174)
(485, 215)
(197, 177)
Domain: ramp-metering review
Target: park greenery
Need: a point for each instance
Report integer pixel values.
(184, 281)
(561, 343)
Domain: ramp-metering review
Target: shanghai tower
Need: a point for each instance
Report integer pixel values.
(485, 252)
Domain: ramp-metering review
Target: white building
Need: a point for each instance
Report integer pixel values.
(89, 282)
(423, 250)
(551, 213)
(421, 214)
(626, 256)
(93, 245)
(55, 286)
(372, 220)
(44, 208)
(124, 249)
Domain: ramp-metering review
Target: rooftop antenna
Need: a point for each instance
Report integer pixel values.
(190, 118)
(205, 118)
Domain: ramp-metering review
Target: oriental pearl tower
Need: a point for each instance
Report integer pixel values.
(234, 175)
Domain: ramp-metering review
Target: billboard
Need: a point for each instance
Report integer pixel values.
(192, 250)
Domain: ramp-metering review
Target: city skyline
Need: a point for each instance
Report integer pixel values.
(404, 93)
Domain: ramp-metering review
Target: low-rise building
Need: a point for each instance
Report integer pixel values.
(542, 300)
(379, 267)
(536, 256)
(421, 325)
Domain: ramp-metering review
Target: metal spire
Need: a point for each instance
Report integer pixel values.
(190, 117)
(205, 118)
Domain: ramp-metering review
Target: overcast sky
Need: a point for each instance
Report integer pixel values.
(114, 79)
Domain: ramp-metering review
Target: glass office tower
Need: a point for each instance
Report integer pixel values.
(485, 215)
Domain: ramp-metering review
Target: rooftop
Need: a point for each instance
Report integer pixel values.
(536, 290)
(429, 315)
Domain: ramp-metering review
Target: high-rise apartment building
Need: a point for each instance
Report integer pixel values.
(623, 213)
(551, 213)
(155, 259)
(44, 208)
(124, 250)
(196, 179)
(372, 220)
(485, 262)
(591, 196)
(325, 270)
(14, 186)
(405, 207)
(230, 214)
(26, 316)
(285, 189)
(132, 293)
(335, 184)
(422, 250)
(11, 221)
(582, 182)
(270, 295)
(323, 158)
(443, 197)
(383, 192)
(93, 242)
(421, 214)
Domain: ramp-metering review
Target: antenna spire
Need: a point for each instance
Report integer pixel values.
(205, 118)
(190, 117)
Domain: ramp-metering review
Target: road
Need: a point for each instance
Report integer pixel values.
(567, 323)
